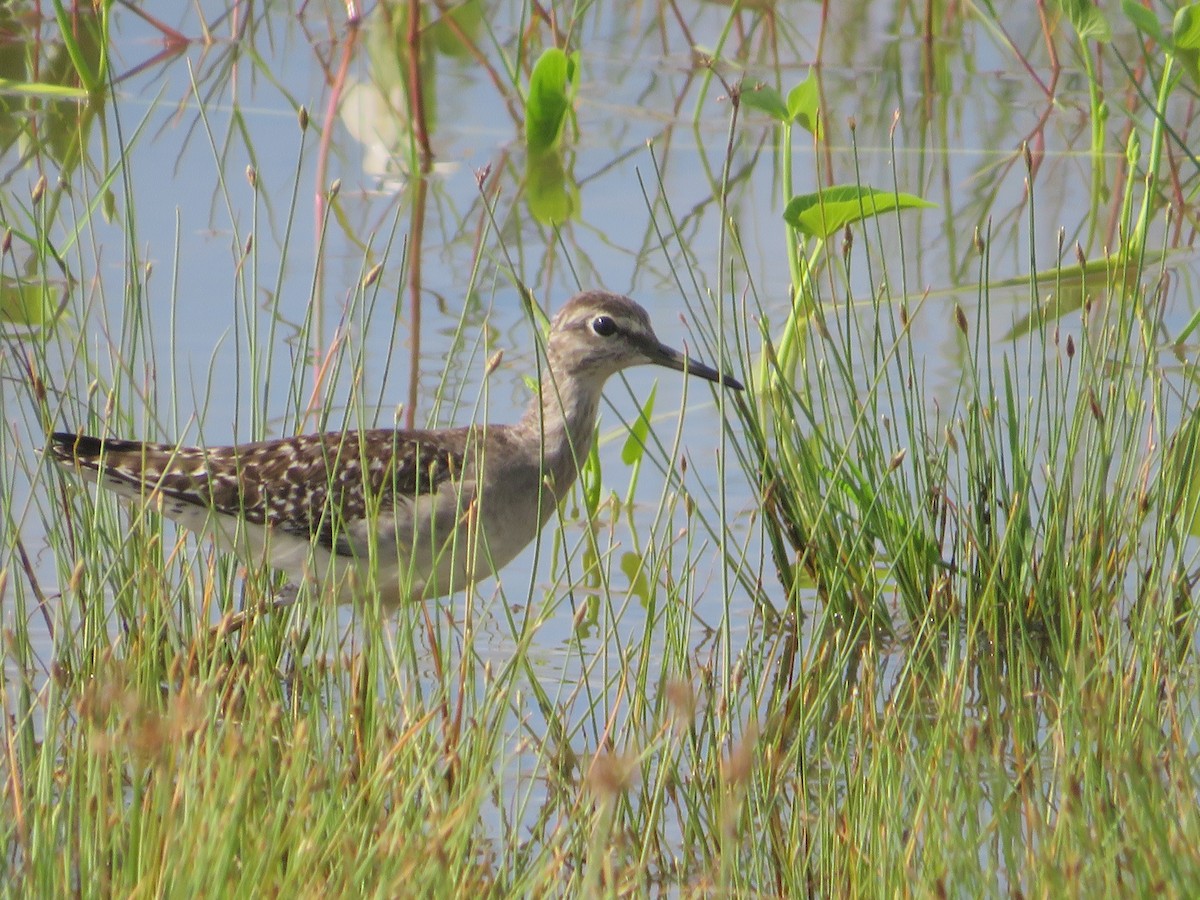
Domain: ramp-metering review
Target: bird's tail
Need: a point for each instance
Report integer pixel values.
(83, 449)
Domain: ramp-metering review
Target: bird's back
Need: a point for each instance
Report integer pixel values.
(296, 503)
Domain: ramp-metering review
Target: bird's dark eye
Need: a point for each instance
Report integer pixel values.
(604, 326)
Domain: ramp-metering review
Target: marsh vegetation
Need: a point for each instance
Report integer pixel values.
(914, 617)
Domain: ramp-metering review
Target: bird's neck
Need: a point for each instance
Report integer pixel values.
(561, 421)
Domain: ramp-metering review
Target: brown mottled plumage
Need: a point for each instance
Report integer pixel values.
(309, 485)
(415, 514)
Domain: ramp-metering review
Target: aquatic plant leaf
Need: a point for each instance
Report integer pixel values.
(1185, 29)
(1087, 19)
(85, 39)
(1075, 285)
(591, 481)
(1143, 19)
(28, 304)
(803, 103)
(633, 567)
(800, 107)
(766, 99)
(550, 190)
(1185, 32)
(1181, 474)
(456, 28)
(826, 212)
(41, 89)
(551, 87)
(635, 445)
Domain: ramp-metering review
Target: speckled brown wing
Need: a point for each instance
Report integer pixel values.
(315, 486)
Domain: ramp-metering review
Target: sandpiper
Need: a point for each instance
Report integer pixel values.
(410, 514)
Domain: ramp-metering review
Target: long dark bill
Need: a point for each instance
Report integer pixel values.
(673, 359)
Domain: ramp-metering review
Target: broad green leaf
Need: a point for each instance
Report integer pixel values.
(551, 87)
(550, 190)
(828, 211)
(633, 567)
(766, 99)
(27, 304)
(1143, 19)
(799, 108)
(1185, 32)
(635, 444)
(1185, 29)
(1087, 19)
(803, 103)
(456, 28)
